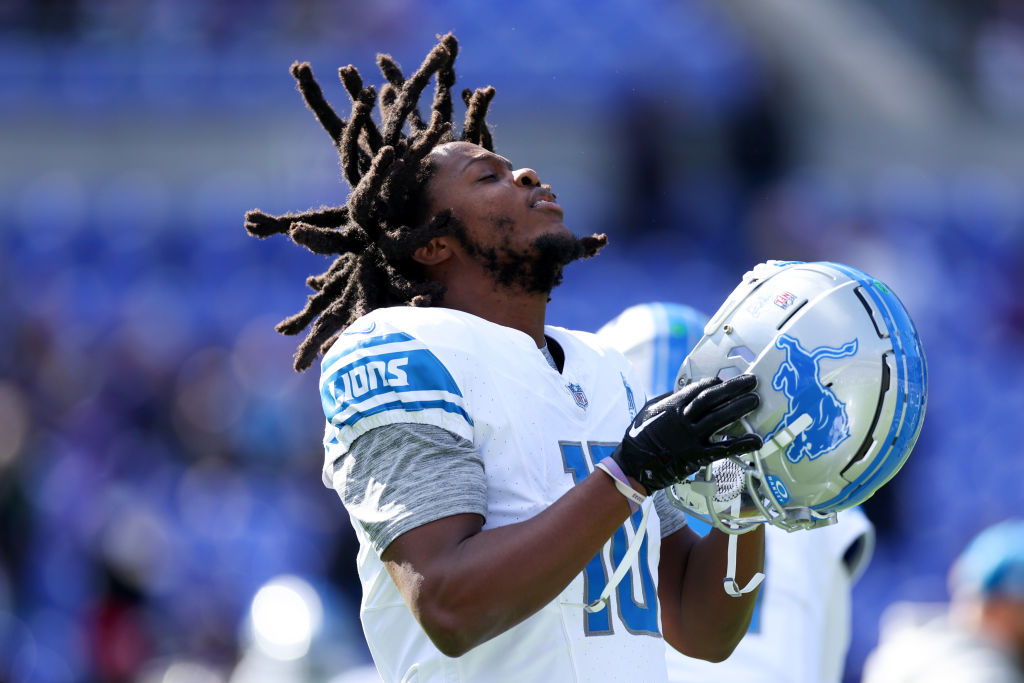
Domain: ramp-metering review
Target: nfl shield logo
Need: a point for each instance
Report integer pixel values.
(577, 395)
(785, 300)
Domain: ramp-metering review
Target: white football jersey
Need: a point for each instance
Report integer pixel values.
(539, 432)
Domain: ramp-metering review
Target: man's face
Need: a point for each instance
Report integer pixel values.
(1009, 613)
(509, 222)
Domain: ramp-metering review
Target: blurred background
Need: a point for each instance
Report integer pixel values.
(161, 512)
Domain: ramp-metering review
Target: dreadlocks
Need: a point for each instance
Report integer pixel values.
(376, 232)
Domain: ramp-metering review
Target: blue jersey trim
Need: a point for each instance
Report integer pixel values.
(424, 373)
(410, 407)
(333, 355)
(391, 373)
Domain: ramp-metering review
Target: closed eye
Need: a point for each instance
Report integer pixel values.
(488, 177)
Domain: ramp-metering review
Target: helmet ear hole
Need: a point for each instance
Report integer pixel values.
(742, 352)
(859, 291)
(869, 442)
(728, 373)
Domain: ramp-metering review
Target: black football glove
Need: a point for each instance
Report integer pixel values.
(670, 438)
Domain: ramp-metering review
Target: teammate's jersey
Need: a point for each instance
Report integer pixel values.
(655, 337)
(800, 631)
(539, 432)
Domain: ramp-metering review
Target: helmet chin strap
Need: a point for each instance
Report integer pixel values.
(627, 561)
(729, 582)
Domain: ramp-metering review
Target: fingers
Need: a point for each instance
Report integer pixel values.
(695, 388)
(685, 395)
(715, 395)
(658, 399)
(726, 414)
(734, 445)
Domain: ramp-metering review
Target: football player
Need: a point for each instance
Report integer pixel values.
(800, 631)
(978, 636)
(464, 434)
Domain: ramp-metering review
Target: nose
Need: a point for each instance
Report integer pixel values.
(526, 177)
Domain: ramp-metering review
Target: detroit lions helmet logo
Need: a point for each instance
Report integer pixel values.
(798, 378)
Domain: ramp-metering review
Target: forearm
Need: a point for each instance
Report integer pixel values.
(489, 581)
(705, 621)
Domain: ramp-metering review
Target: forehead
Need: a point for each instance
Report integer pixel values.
(453, 157)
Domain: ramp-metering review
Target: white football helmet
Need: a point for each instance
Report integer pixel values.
(843, 385)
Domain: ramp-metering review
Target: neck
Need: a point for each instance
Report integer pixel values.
(503, 306)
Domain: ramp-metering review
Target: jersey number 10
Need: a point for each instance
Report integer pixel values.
(637, 617)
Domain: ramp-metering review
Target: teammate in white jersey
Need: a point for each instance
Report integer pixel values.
(463, 433)
(978, 636)
(800, 631)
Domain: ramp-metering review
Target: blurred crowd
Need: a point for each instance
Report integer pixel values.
(159, 459)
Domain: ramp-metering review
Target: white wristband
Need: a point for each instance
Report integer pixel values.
(612, 469)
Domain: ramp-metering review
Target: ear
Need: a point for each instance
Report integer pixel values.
(436, 251)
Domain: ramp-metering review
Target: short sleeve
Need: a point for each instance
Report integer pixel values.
(380, 375)
(402, 476)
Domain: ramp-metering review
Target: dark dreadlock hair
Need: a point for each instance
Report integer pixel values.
(384, 220)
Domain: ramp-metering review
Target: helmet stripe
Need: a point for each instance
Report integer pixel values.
(911, 388)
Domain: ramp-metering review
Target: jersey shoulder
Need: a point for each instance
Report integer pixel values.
(396, 365)
(434, 327)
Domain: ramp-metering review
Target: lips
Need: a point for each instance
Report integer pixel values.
(544, 200)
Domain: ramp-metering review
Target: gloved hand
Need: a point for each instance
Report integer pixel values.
(670, 438)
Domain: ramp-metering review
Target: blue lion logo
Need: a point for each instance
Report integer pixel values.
(798, 379)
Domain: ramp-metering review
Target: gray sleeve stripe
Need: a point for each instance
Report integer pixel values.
(398, 477)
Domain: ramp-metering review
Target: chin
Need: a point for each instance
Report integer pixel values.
(556, 229)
